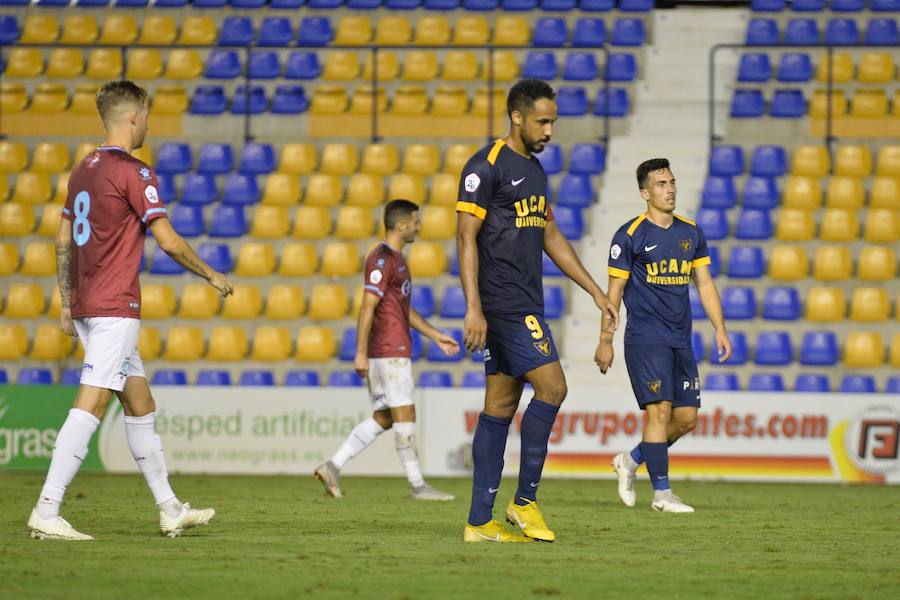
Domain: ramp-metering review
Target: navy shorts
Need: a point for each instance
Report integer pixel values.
(659, 372)
(517, 344)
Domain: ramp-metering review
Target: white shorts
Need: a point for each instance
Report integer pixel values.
(390, 382)
(110, 351)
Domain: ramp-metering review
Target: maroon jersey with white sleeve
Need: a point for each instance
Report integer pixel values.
(111, 198)
(388, 278)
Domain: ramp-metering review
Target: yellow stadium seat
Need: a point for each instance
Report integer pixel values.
(362, 98)
(328, 100)
(255, 260)
(380, 159)
(845, 192)
(842, 67)
(339, 159)
(16, 219)
(506, 66)
(83, 150)
(244, 303)
(32, 188)
(427, 259)
(388, 67)
(13, 341)
(184, 343)
(49, 98)
(408, 187)
(895, 109)
(393, 30)
(438, 223)
(324, 190)
(13, 157)
(271, 344)
(870, 304)
(420, 65)
(40, 259)
(444, 189)
(4, 187)
(144, 63)
(198, 301)
(460, 66)
(853, 160)
(885, 193)
(315, 344)
(825, 304)
(876, 67)
(149, 343)
(143, 154)
(812, 161)
(818, 104)
(158, 30)
(328, 301)
(788, 263)
(84, 100)
(889, 161)
(184, 65)
(24, 62)
(157, 301)
(13, 98)
(39, 29)
(895, 351)
(312, 223)
(282, 189)
(869, 103)
(877, 263)
(50, 157)
(66, 63)
(410, 100)
(50, 343)
(432, 31)
(298, 260)
(297, 159)
(802, 192)
(270, 222)
(353, 31)
(24, 301)
(449, 101)
(104, 64)
(354, 223)
(365, 189)
(119, 30)
(864, 349)
(456, 156)
(55, 303)
(839, 225)
(341, 65)
(284, 302)
(170, 100)
(833, 263)
(882, 225)
(9, 258)
(339, 259)
(795, 224)
(421, 159)
(79, 29)
(227, 343)
(480, 102)
(197, 31)
(511, 31)
(471, 31)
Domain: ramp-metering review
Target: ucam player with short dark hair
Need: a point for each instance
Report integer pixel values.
(112, 199)
(504, 225)
(652, 260)
(383, 355)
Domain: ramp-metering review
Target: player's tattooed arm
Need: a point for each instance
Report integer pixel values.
(474, 324)
(182, 253)
(712, 304)
(64, 275)
(447, 343)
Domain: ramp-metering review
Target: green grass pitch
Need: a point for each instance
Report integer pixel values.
(281, 537)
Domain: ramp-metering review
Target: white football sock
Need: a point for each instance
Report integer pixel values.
(69, 451)
(405, 439)
(359, 439)
(146, 447)
(629, 463)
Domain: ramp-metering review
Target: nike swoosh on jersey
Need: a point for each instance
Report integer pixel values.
(649, 248)
(517, 181)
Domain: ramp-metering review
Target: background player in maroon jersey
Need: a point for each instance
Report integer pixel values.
(383, 351)
(112, 199)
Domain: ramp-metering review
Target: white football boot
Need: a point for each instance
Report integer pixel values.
(426, 492)
(626, 480)
(55, 528)
(667, 501)
(330, 477)
(188, 518)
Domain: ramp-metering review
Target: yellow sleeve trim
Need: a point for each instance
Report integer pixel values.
(620, 273)
(472, 209)
(688, 221)
(495, 151)
(635, 223)
(701, 262)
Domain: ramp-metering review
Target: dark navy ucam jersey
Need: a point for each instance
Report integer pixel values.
(657, 263)
(507, 191)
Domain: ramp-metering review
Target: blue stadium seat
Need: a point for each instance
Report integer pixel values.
(580, 66)
(213, 377)
(714, 262)
(746, 262)
(718, 192)
(236, 31)
(540, 65)
(441, 4)
(698, 313)
(571, 101)
(575, 190)
(208, 3)
(808, 5)
(518, 5)
(812, 383)
(169, 376)
(782, 304)
(587, 159)
(713, 222)
(767, 5)
(739, 303)
(435, 379)
(795, 66)
(347, 350)
(302, 65)
(208, 100)
(15, 2)
(227, 221)
(416, 345)
(766, 382)
(721, 382)
(558, 5)
(589, 33)
(68, 377)
(893, 385)
(257, 377)
(4, 378)
(628, 32)
(263, 65)
(217, 256)
(570, 222)
(163, 264)
(482, 5)
(621, 66)
(315, 31)
(435, 354)
(215, 159)
(248, 100)
(422, 299)
(739, 352)
(275, 31)
(454, 264)
(613, 102)
(187, 219)
(768, 161)
(9, 29)
(858, 384)
(554, 302)
(325, 3)
(474, 379)
(726, 160)
(549, 268)
(31, 376)
(754, 67)
(477, 357)
(257, 159)
(549, 32)
(302, 378)
(774, 348)
(363, 4)
(289, 100)
(885, 5)
(847, 5)
(760, 192)
(753, 224)
(551, 158)
(198, 189)
(841, 32)
(91, 3)
(636, 6)
(170, 3)
(173, 158)
(882, 32)
(747, 104)
(819, 348)
(697, 346)
(762, 32)
(240, 189)
(788, 104)
(801, 32)
(453, 304)
(247, 4)
(596, 5)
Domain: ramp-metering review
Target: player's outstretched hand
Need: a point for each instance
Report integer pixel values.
(474, 330)
(447, 344)
(604, 355)
(610, 310)
(67, 324)
(219, 282)
(723, 345)
(361, 364)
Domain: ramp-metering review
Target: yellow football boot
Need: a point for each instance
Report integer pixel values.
(492, 531)
(530, 521)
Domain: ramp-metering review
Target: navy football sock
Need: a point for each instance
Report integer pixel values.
(637, 454)
(537, 423)
(657, 457)
(488, 447)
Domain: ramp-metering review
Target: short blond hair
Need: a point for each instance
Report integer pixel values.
(116, 94)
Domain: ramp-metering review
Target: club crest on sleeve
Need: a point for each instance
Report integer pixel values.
(151, 194)
(375, 277)
(654, 386)
(543, 346)
(615, 251)
(472, 182)
(685, 245)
